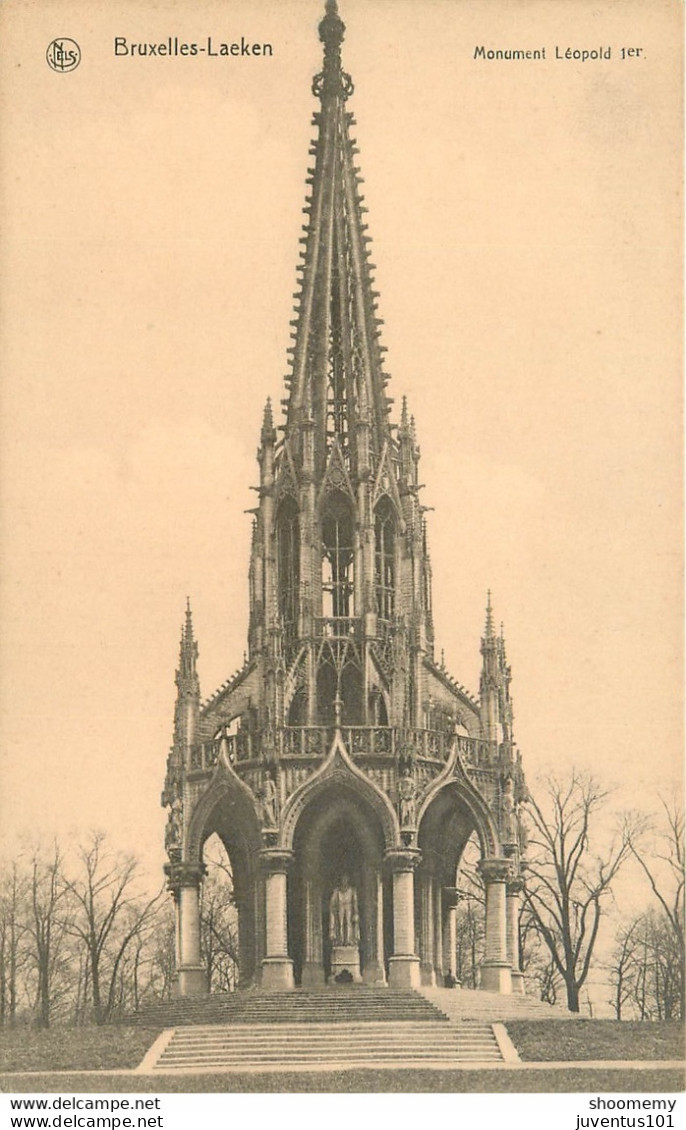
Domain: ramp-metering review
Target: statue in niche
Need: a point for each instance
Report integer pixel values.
(174, 830)
(508, 813)
(406, 800)
(344, 918)
(268, 802)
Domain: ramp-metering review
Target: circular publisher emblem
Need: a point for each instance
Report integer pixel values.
(63, 54)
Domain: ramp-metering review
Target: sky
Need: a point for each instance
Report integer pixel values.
(525, 222)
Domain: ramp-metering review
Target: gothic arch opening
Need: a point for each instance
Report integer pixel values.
(446, 827)
(297, 710)
(327, 693)
(338, 835)
(384, 558)
(338, 557)
(219, 918)
(288, 563)
(224, 831)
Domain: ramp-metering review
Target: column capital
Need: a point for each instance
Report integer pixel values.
(451, 897)
(182, 874)
(515, 885)
(403, 859)
(275, 860)
(495, 870)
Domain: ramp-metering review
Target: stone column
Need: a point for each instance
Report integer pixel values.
(192, 975)
(438, 931)
(426, 927)
(514, 890)
(277, 966)
(404, 964)
(313, 962)
(373, 972)
(450, 933)
(258, 900)
(495, 970)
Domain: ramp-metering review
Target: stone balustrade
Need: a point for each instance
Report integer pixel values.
(314, 742)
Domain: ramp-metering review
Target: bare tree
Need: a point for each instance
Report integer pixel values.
(46, 930)
(161, 959)
(538, 967)
(108, 916)
(621, 967)
(471, 917)
(566, 881)
(219, 921)
(663, 863)
(13, 891)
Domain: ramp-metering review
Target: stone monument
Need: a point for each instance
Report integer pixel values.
(344, 932)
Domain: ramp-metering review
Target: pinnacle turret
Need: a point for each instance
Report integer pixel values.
(489, 631)
(268, 434)
(187, 685)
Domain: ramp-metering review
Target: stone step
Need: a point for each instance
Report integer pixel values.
(475, 1004)
(217, 1046)
(359, 1004)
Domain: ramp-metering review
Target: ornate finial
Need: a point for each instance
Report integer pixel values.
(332, 82)
(404, 422)
(186, 677)
(268, 434)
(188, 624)
(490, 633)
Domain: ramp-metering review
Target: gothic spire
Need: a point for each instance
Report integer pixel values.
(337, 381)
(187, 687)
(268, 435)
(489, 631)
(186, 676)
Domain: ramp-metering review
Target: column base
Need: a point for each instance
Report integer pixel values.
(374, 974)
(427, 976)
(345, 964)
(312, 975)
(518, 984)
(496, 979)
(404, 972)
(192, 981)
(277, 973)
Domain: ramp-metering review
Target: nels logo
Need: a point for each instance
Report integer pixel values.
(63, 54)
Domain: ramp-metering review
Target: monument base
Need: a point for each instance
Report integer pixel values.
(496, 978)
(518, 984)
(345, 960)
(403, 972)
(277, 973)
(191, 981)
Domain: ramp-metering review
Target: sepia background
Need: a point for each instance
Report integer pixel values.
(526, 227)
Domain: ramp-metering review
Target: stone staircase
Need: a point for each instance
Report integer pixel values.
(359, 1004)
(257, 1047)
(474, 1004)
(329, 1029)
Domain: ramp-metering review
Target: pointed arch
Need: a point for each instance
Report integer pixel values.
(339, 773)
(385, 563)
(288, 562)
(453, 795)
(338, 556)
(227, 807)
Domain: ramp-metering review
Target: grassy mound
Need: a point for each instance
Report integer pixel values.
(79, 1049)
(544, 1040)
